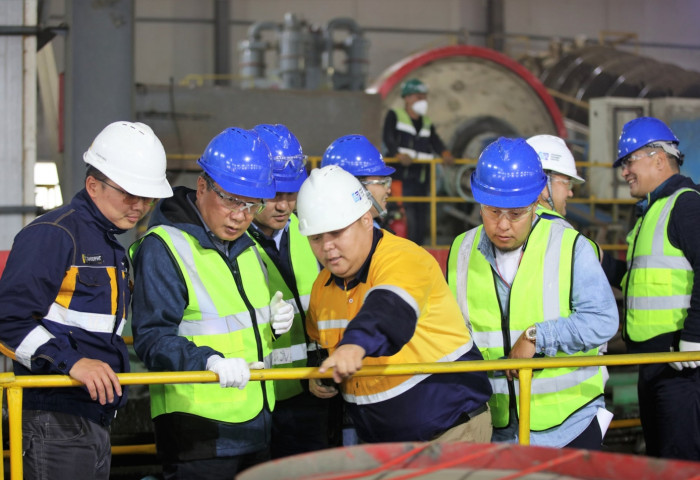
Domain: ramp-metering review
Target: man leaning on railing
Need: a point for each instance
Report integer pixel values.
(64, 296)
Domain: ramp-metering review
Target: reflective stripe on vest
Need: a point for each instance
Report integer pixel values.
(405, 124)
(659, 278)
(217, 316)
(550, 386)
(289, 349)
(548, 255)
(556, 217)
(332, 324)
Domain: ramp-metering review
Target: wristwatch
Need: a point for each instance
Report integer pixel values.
(531, 333)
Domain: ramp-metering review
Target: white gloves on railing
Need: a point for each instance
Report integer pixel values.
(684, 346)
(281, 314)
(232, 372)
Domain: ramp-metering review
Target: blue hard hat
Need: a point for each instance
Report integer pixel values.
(508, 174)
(639, 133)
(288, 160)
(239, 161)
(356, 155)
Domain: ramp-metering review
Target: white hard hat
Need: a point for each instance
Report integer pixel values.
(330, 199)
(131, 155)
(555, 155)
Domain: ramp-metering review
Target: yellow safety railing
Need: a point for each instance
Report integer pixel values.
(15, 384)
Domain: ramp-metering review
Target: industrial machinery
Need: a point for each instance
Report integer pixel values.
(305, 53)
(289, 74)
(602, 71)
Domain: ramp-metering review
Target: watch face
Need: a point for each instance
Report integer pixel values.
(531, 333)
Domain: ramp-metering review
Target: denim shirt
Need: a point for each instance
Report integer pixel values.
(593, 321)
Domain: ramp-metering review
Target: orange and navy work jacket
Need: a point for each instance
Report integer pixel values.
(400, 310)
(64, 295)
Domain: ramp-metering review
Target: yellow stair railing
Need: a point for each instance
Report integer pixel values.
(16, 384)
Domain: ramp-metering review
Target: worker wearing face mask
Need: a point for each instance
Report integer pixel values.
(410, 136)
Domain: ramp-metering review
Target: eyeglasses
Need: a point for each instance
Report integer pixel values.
(236, 204)
(296, 161)
(564, 181)
(129, 199)
(513, 215)
(626, 162)
(386, 182)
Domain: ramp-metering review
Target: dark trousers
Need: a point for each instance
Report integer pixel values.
(300, 424)
(60, 445)
(669, 406)
(590, 439)
(417, 214)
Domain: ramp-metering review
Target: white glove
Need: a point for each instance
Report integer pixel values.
(232, 372)
(281, 314)
(684, 346)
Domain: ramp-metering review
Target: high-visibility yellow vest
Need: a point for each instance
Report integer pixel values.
(559, 218)
(289, 349)
(540, 291)
(219, 315)
(659, 279)
(419, 148)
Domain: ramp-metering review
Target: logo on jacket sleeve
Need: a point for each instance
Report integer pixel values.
(95, 259)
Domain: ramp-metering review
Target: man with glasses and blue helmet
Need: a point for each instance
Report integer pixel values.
(356, 154)
(382, 300)
(300, 420)
(201, 302)
(410, 136)
(530, 286)
(661, 299)
(64, 298)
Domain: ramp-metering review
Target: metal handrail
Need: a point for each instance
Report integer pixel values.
(15, 384)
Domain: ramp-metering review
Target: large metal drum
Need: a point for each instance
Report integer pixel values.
(601, 71)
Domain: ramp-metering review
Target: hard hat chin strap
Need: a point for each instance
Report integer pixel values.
(550, 200)
(376, 205)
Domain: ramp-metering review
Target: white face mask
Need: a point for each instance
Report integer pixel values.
(420, 107)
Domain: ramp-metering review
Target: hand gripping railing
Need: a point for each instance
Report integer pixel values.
(15, 385)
